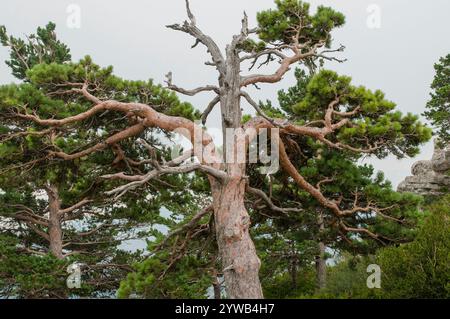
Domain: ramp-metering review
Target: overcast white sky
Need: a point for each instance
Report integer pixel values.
(397, 58)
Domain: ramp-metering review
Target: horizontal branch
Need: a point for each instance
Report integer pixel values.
(269, 202)
(149, 118)
(257, 55)
(284, 67)
(112, 140)
(78, 205)
(6, 137)
(34, 252)
(347, 229)
(42, 222)
(29, 212)
(92, 231)
(163, 170)
(192, 92)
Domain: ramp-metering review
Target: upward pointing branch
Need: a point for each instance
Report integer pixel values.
(237, 39)
(192, 29)
(189, 13)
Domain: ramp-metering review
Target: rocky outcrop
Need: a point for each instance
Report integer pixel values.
(429, 177)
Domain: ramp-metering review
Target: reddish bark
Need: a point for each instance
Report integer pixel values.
(54, 227)
(237, 251)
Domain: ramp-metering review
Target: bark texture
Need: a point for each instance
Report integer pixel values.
(54, 226)
(321, 266)
(237, 251)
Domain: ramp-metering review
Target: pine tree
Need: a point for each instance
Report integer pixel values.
(340, 177)
(351, 119)
(53, 212)
(438, 108)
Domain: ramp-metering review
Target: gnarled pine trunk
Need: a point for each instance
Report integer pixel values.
(237, 251)
(55, 227)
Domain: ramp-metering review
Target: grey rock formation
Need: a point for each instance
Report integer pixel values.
(429, 177)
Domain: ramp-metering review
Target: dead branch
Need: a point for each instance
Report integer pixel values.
(190, 27)
(269, 202)
(188, 226)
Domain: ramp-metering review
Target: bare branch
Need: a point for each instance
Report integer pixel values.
(257, 108)
(190, 27)
(26, 210)
(84, 91)
(189, 13)
(163, 170)
(284, 67)
(255, 56)
(189, 92)
(324, 181)
(41, 221)
(331, 58)
(338, 145)
(237, 39)
(151, 150)
(191, 224)
(209, 109)
(269, 202)
(169, 168)
(123, 176)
